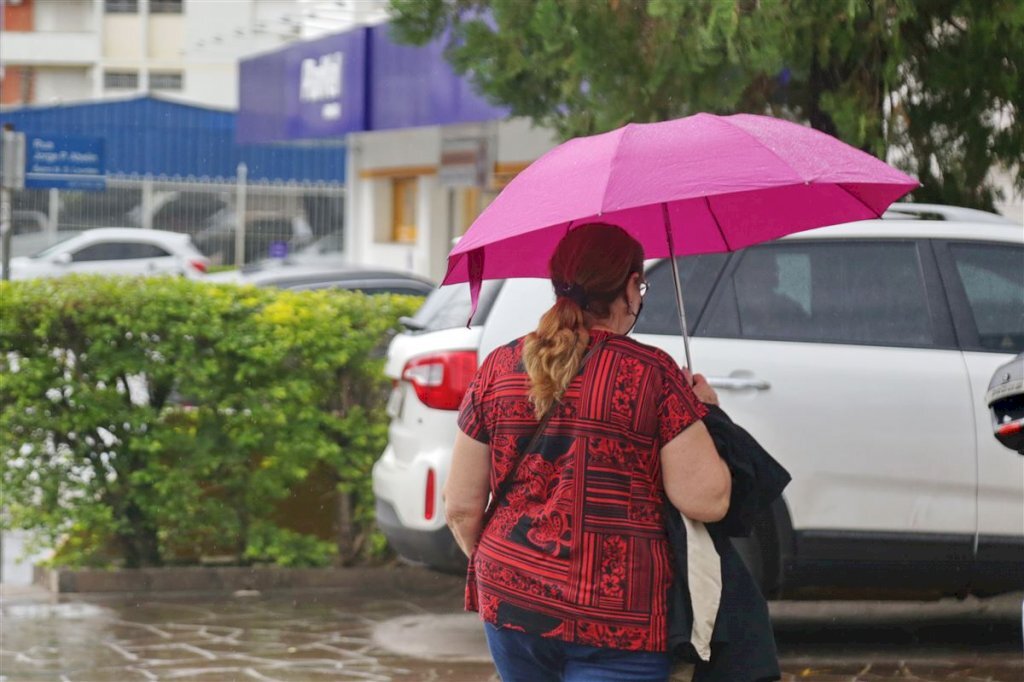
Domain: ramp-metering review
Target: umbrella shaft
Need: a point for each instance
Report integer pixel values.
(680, 308)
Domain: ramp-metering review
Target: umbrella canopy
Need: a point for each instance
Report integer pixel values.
(701, 184)
(722, 183)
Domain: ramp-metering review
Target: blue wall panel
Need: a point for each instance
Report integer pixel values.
(150, 136)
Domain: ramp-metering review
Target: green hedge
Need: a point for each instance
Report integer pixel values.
(146, 421)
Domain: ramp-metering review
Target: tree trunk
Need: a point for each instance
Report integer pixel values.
(819, 82)
(140, 544)
(346, 528)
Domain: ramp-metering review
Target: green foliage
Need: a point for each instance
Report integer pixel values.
(935, 87)
(283, 547)
(154, 419)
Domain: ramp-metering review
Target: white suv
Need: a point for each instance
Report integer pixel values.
(115, 251)
(858, 355)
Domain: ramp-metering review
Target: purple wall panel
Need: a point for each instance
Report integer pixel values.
(416, 86)
(350, 82)
(310, 90)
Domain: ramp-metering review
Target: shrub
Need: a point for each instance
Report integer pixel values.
(157, 419)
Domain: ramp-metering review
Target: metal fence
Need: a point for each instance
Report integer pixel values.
(279, 219)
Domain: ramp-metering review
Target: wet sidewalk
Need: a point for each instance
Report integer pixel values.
(405, 624)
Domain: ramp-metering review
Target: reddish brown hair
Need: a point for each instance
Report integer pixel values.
(589, 270)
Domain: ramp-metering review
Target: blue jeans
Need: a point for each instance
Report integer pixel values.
(521, 657)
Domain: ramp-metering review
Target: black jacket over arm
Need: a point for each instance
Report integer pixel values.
(742, 644)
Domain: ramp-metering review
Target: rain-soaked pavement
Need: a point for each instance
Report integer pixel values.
(405, 624)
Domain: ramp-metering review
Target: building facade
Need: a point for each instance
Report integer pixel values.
(425, 152)
(56, 51)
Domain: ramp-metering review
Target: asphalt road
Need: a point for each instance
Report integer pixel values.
(405, 624)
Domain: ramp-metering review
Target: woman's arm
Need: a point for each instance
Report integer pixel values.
(467, 489)
(697, 481)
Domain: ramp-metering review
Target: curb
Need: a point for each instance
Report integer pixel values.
(236, 579)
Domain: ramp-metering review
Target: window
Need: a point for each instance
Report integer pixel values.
(165, 81)
(141, 250)
(696, 274)
(993, 279)
(120, 80)
(122, 6)
(840, 292)
(165, 6)
(118, 251)
(102, 251)
(448, 307)
(403, 210)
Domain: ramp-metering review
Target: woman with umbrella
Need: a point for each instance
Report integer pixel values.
(568, 561)
(568, 571)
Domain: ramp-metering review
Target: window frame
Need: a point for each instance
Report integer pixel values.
(117, 72)
(166, 6)
(120, 6)
(962, 314)
(153, 75)
(401, 184)
(944, 337)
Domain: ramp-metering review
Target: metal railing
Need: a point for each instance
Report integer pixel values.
(278, 219)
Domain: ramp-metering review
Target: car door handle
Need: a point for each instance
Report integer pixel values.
(738, 383)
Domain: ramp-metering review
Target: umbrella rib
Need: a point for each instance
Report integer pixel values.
(611, 167)
(725, 240)
(861, 201)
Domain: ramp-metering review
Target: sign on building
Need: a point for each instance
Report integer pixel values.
(321, 83)
(65, 162)
(466, 161)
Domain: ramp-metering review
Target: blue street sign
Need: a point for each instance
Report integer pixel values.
(278, 249)
(65, 162)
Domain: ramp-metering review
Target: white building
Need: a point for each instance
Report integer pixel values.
(54, 51)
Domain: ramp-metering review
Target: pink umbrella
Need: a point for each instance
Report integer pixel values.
(700, 184)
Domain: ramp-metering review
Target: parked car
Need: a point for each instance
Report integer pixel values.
(115, 251)
(265, 232)
(858, 355)
(910, 210)
(323, 275)
(1005, 400)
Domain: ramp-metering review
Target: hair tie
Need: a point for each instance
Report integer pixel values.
(572, 291)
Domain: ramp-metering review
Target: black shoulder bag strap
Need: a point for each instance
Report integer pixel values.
(502, 490)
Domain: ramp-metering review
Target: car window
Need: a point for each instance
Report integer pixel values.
(101, 251)
(118, 251)
(839, 292)
(56, 246)
(696, 275)
(141, 250)
(448, 307)
(993, 280)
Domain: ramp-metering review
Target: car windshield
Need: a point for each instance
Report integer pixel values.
(448, 307)
(55, 247)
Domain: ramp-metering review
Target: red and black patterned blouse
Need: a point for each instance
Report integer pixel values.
(577, 550)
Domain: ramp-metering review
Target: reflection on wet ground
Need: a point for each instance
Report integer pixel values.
(367, 631)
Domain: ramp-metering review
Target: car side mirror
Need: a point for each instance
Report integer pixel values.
(62, 258)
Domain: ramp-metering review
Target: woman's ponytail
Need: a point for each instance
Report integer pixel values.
(589, 270)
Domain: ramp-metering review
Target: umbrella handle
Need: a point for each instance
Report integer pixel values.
(680, 308)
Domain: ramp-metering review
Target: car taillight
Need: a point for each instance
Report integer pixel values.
(428, 505)
(441, 379)
(199, 265)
